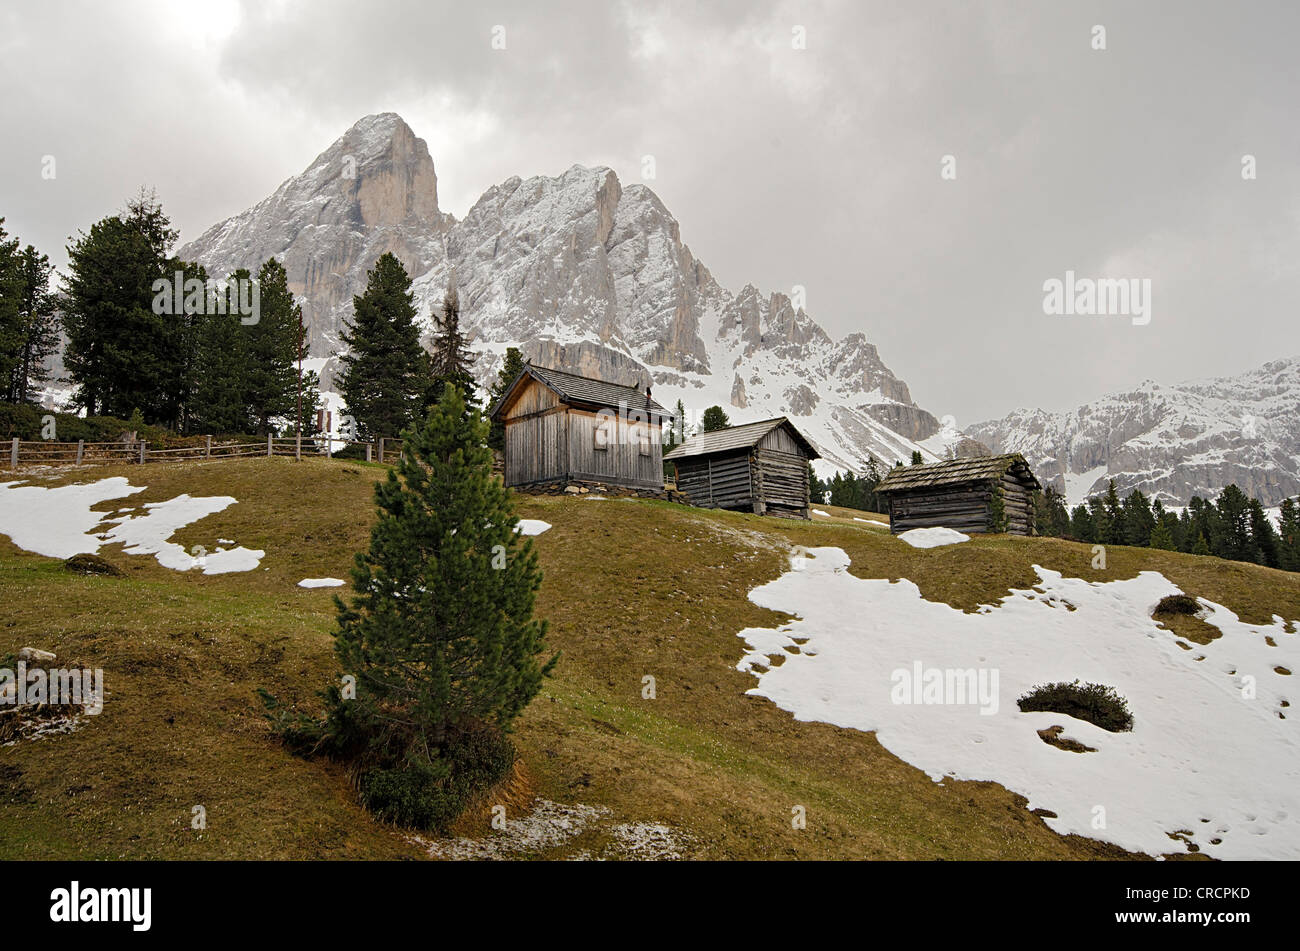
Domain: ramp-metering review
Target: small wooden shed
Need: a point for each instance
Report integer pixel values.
(984, 494)
(758, 467)
(561, 427)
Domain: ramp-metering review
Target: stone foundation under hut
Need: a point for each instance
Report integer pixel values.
(576, 487)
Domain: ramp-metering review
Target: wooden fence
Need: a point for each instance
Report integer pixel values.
(82, 453)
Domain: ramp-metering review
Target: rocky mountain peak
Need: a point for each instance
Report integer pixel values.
(581, 272)
(374, 190)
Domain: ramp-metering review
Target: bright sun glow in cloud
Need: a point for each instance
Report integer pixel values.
(202, 24)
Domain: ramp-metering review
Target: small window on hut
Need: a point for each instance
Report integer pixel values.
(602, 433)
(643, 439)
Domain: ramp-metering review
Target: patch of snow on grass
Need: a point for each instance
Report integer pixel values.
(148, 534)
(57, 522)
(820, 512)
(933, 537)
(549, 825)
(533, 526)
(644, 840)
(1202, 760)
(320, 583)
(871, 521)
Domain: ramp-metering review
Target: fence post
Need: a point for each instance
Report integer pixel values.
(368, 447)
(381, 450)
(207, 449)
(13, 455)
(329, 447)
(297, 448)
(81, 450)
(142, 451)
(269, 446)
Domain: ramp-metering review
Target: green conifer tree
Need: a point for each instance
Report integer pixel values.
(1162, 537)
(220, 404)
(384, 381)
(1289, 535)
(1265, 544)
(1116, 533)
(816, 487)
(28, 328)
(11, 322)
(1233, 537)
(272, 349)
(449, 359)
(511, 367)
(440, 634)
(1081, 525)
(1139, 520)
(110, 323)
(713, 420)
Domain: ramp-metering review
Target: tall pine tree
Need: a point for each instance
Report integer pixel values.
(449, 359)
(1233, 537)
(222, 369)
(129, 347)
(37, 311)
(1289, 535)
(109, 321)
(511, 367)
(273, 345)
(384, 378)
(11, 321)
(440, 635)
(714, 419)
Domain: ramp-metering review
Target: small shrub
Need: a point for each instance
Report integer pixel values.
(1177, 604)
(1096, 703)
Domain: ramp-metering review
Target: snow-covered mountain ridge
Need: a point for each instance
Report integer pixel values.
(1169, 441)
(581, 272)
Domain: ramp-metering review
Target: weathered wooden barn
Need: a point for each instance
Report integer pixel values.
(757, 467)
(562, 428)
(983, 494)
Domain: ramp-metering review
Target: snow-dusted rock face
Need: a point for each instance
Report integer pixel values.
(374, 190)
(581, 272)
(1169, 441)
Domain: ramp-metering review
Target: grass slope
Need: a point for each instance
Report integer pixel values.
(632, 589)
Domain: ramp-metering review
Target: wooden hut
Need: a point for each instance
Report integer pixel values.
(562, 428)
(758, 467)
(984, 494)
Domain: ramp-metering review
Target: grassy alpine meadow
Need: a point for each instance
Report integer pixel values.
(182, 763)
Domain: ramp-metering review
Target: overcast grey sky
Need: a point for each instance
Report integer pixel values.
(817, 166)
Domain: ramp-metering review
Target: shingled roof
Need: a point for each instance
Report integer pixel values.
(583, 391)
(737, 437)
(979, 469)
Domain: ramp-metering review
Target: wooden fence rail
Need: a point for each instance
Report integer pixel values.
(50, 453)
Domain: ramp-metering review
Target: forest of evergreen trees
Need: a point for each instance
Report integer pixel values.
(1233, 526)
(201, 361)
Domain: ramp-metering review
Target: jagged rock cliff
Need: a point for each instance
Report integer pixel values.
(580, 271)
